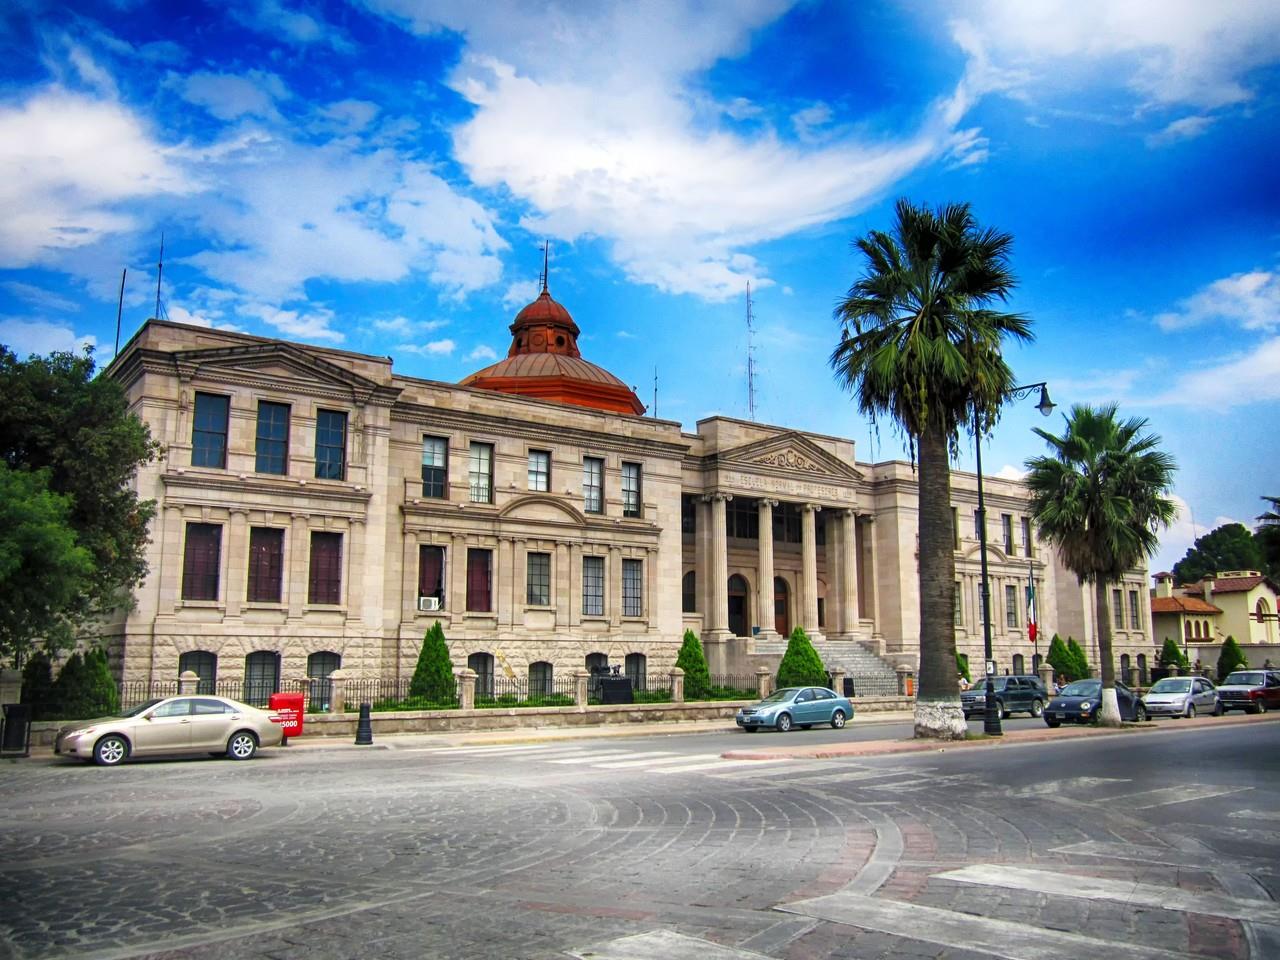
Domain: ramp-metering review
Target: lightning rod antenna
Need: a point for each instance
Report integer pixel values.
(751, 359)
(546, 259)
(655, 391)
(120, 310)
(159, 275)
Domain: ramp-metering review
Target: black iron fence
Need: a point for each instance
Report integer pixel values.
(733, 686)
(501, 692)
(868, 686)
(383, 695)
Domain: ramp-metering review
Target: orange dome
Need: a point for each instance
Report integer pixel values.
(544, 362)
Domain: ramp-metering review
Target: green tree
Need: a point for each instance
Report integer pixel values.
(43, 570)
(920, 344)
(1267, 536)
(433, 678)
(37, 686)
(1228, 547)
(1101, 498)
(1171, 655)
(76, 428)
(71, 691)
(801, 666)
(962, 666)
(1231, 658)
(1079, 660)
(1060, 659)
(101, 691)
(691, 659)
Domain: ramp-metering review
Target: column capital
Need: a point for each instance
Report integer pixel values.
(766, 502)
(811, 507)
(718, 496)
(847, 512)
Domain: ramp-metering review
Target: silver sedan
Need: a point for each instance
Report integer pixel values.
(1182, 697)
(173, 725)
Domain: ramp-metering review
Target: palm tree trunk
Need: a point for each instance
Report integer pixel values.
(1110, 707)
(937, 713)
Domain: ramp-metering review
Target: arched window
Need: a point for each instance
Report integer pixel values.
(540, 679)
(738, 589)
(319, 666)
(597, 666)
(634, 669)
(482, 664)
(261, 677)
(1142, 669)
(1186, 629)
(205, 665)
(689, 593)
(1124, 668)
(781, 607)
(1197, 630)
(1018, 664)
(1036, 660)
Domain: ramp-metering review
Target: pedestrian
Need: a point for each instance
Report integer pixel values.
(964, 684)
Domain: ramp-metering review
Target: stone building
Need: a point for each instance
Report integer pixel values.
(315, 509)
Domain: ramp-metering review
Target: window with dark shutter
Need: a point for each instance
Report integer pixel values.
(201, 557)
(266, 564)
(479, 565)
(324, 579)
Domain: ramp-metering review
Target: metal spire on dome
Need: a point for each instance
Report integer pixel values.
(546, 251)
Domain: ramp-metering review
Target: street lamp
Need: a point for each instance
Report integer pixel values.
(991, 716)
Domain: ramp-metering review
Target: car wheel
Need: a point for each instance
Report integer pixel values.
(1001, 712)
(1218, 710)
(750, 729)
(242, 745)
(1262, 706)
(110, 751)
(1053, 723)
(1140, 713)
(1037, 708)
(784, 722)
(1191, 710)
(837, 720)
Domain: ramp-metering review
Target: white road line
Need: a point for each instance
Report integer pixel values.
(664, 945)
(1164, 856)
(1062, 786)
(593, 757)
(1255, 814)
(718, 763)
(798, 765)
(652, 757)
(1120, 891)
(497, 748)
(1169, 795)
(1000, 938)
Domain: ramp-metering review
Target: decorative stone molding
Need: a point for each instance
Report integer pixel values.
(790, 459)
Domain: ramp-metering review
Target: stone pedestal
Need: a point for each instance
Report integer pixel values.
(764, 681)
(338, 691)
(580, 678)
(906, 681)
(188, 682)
(467, 688)
(10, 686)
(1046, 675)
(837, 681)
(677, 685)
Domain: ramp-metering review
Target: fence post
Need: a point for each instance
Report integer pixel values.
(337, 691)
(1046, 675)
(763, 681)
(580, 678)
(467, 688)
(188, 682)
(837, 681)
(906, 681)
(677, 685)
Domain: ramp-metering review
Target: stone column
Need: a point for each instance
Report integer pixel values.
(235, 589)
(356, 567)
(677, 685)
(717, 618)
(174, 532)
(456, 575)
(188, 681)
(338, 691)
(562, 584)
(11, 686)
(575, 580)
(501, 575)
(466, 689)
(580, 677)
(764, 588)
(613, 588)
(809, 569)
(869, 599)
(1046, 676)
(299, 557)
(848, 585)
(409, 574)
(764, 680)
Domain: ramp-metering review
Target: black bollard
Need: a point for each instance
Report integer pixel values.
(364, 730)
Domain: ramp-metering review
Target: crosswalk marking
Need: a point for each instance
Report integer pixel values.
(796, 765)
(640, 760)
(1001, 938)
(1121, 891)
(1197, 859)
(719, 762)
(1064, 785)
(593, 757)
(1169, 795)
(1255, 814)
(665, 945)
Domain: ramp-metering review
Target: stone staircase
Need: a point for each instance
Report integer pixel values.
(872, 675)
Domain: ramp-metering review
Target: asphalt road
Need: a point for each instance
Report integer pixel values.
(1132, 847)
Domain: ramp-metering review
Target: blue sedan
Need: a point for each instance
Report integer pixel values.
(796, 707)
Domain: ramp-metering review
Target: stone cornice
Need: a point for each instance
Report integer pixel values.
(235, 486)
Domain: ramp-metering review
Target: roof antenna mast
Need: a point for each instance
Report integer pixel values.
(751, 358)
(159, 275)
(655, 391)
(546, 258)
(120, 310)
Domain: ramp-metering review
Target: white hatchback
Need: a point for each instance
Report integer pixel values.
(1182, 697)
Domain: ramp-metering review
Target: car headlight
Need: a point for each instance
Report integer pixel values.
(1084, 707)
(76, 734)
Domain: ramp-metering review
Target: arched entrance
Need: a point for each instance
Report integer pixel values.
(738, 625)
(482, 664)
(781, 607)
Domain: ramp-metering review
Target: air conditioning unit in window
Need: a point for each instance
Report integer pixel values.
(429, 604)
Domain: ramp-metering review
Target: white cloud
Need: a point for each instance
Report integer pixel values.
(350, 116)
(807, 122)
(1177, 538)
(66, 162)
(1250, 300)
(520, 293)
(1010, 472)
(311, 325)
(1186, 128)
(231, 96)
(295, 26)
(1246, 378)
(436, 348)
(1167, 51)
(626, 335)
(393, 325)
(40, 297)
(482, 353)
(26, 337)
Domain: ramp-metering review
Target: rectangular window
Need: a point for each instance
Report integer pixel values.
(1117, 609)
(539, 471)
(1010, 605)
(209, 431)
(435, 467)
(431, 572)
(958, 612)
(538, 579)
(742, 518)
(593, 485)
(688, 514)
(593, 586)
(324, 579)
(266, 564)
(955, 528)
(786, 523)
(331, 445)
(201, 558)
(631, 489)
(480, 473)
(1006, 526)
(977, 524)
(1135, 621)
(273, 438)
(479, 568)
(633, 588)
(1026, 537)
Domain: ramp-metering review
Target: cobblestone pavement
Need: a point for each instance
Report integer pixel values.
(1145, 847)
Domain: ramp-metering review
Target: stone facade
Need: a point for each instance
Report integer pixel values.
(739, 531)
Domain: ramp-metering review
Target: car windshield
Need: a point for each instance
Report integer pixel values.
(1082, 688)
(140, 709)
(1245, 679)
(1172, 685)
(779, 695)
(981, 683)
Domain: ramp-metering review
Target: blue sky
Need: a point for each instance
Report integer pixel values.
(379, 176)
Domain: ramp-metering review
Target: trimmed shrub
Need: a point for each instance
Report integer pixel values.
(70, 691)
(1078, 658)
(962, 666)
(37, 686)
(1171, 655)
(433, 678)
(1231, 658)
(691, 659)
(102, 696)
(1060, 659)
(801, 666)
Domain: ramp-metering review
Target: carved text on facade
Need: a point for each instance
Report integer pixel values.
(794, 488)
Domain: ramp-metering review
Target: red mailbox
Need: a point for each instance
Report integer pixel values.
(289, 707)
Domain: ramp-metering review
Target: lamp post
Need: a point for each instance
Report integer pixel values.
(991, 716)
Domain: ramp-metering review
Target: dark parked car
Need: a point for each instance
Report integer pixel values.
(1020, 694)
(1253, 691)
(1079, 702)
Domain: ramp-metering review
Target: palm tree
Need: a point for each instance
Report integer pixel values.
(920, 345)
(1100, 499)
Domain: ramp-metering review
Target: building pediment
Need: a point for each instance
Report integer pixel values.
(542, 509)
(790, 453)
(283, 365)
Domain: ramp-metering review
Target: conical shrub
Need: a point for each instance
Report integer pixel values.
(1078, 658)
(37, 686)
(101, 693)
(691, 659)
(433, 678)
(1231, 658)
(801, 666)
